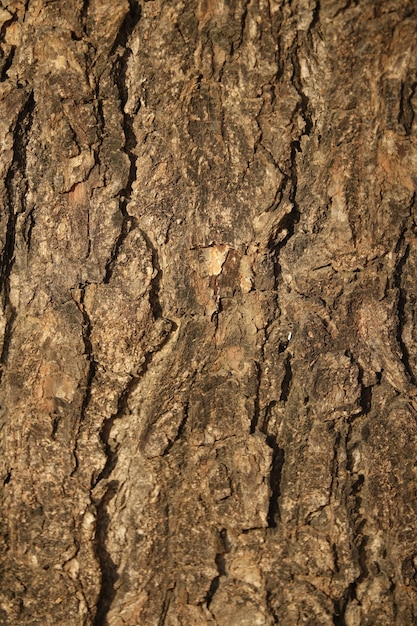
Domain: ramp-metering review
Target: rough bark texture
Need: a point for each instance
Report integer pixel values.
(208, 316)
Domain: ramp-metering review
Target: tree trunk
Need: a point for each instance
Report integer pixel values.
(208, 277)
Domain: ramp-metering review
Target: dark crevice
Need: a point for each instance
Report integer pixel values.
(286, 383)
(120, 78)
(10, 320)
(92, 369)
(282, 346)
(292, 218)
(335, 462)
(401, 306)
(111, 454)
(365, 400)
(156, 280)
(16, 184)
(84, 15)
(359, 552)
(406, 113)
(304, 104)
(55, 425)
(221, 567)
(8, 477)
(101, 125)
(108, 567)
(256, 404)
(316, 15)
(88, 350)
(270, 606)
(128, 225)
(122, 52)
(127, 27)
(290, 181)
(16, 187)
(27, 228)
(267, 416)
(278, 458)
(341, 603)
(7, 64)
(165, 606)
(6, 24)
(212, 590)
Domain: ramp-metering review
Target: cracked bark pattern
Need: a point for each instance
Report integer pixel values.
(208, 269)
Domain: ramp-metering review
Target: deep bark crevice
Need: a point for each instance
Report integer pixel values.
(111, 452)
(286, 382)
(278, 459)
(16, 185)
(5, 26)
(406, 114)
(256, 403)
(120, 78)
(108, 568)
(83, 14)
(89, 353)
(401, 314)
(16, 188)
(221, 568)
(7, 63)
(154, 293)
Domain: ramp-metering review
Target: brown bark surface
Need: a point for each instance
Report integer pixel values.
(208, 271)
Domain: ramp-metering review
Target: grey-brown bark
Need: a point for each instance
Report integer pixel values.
(208, 291)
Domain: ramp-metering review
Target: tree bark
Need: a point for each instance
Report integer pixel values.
(208, 270)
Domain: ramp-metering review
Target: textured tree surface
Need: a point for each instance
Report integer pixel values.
(208, 266)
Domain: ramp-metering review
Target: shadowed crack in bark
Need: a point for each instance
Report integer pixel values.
(107, 566)
(92, 364)
(119, 76)
(278, 459)
(401, 313)
(221, 567)
(16, 189)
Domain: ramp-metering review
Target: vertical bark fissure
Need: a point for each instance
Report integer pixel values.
(122, 408)
(83, 15)
(401, 313)
(256, 404)
(288, 223)
(277, 464)
(108, 568)
(406, 113)
(7, 64)
(92, 367)
(221, 567)
(16, 188)
(120, 78)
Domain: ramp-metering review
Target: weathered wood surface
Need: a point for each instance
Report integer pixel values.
(209, 271)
